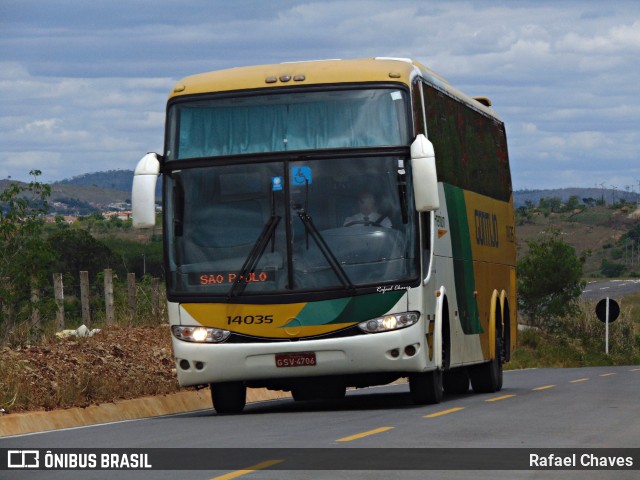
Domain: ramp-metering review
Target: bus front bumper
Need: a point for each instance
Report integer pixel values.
(401, 351)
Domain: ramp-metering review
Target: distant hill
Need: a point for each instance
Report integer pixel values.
(112, 179)
(103, 188)
(68, 198)
(122, 180)
(610, 196)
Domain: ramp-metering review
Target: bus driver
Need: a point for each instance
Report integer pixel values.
(368, 216)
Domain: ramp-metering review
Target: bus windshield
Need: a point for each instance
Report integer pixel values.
(290, 226)
(276, 122)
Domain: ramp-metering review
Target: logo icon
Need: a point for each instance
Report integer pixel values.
(23, 459)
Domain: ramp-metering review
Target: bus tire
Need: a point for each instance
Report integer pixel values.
(426, 388)
(487, 377)
(229, 397)
(456, 381)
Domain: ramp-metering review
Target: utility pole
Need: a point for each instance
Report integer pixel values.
(602, 191)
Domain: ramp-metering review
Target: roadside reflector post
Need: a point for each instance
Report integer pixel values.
(606, 330)
(607, 311)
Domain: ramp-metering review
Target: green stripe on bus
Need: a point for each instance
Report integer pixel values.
(347, 310)
(462, 259)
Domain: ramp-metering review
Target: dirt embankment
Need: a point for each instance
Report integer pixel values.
(117, 363)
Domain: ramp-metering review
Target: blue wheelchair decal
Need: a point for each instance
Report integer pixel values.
(300, 176)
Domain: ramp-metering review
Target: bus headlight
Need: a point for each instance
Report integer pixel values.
(389, 322)
(200, 334)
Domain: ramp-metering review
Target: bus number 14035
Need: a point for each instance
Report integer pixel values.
(249, 319)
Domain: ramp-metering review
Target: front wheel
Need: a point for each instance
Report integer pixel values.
(426, 388)
(229, 397)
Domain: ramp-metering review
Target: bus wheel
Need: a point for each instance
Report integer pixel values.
(229, 397)
(487, 377)
(456, 381)
(426, 388)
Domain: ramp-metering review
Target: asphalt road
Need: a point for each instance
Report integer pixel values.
(538, 408)
(615, 289)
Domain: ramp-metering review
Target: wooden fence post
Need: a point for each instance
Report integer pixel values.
(108, 296)
(131, 287)
(155, 300)
(58, 292)
(7, 303)
(84, 298)
(35, 299)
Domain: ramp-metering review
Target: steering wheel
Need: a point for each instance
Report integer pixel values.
(377, 223)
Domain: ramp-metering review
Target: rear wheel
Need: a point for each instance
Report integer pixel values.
(426, 388)
(229, 397)
(487, 377)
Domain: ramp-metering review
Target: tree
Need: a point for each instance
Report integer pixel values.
(549, 278)
(572, 204)
(550, 205)
(77, 250)
(611, 269)
(23, 252)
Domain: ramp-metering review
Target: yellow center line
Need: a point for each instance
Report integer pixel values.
(444, 412)
(579, 380)
(607, 374)
(364, 434)
(495, 399)
(239, 473)
(543, 388)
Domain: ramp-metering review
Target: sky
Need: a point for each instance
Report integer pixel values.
(84, 84)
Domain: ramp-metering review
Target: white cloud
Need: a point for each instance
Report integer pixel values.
(83, 85)
(623, 38)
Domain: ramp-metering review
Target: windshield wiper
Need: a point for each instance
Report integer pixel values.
(324, 249)
(251, 262)
(310, 229)
(254, 256)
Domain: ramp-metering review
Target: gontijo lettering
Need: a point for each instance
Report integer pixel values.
(486, 229)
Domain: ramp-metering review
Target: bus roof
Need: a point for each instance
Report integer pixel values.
(318, 72)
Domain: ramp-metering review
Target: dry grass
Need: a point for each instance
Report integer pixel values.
(118, 363)
(579, 341)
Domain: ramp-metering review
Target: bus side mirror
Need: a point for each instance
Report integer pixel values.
(425, 179)
(143, 192)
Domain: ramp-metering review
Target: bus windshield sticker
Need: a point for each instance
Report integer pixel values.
(276, 184)
(300, 176)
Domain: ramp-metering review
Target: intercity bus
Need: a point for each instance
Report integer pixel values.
(334, 224)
